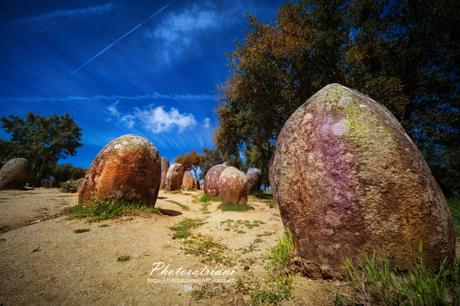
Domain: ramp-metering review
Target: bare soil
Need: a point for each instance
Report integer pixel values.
(46, 263)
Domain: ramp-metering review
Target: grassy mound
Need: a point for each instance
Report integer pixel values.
(376, 282)
(99, 210)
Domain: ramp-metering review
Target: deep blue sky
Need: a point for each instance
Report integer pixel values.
(159, 82)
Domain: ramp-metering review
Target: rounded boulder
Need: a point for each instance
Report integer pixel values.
(253, 177)
(349, 181)
(188, 183)
(14, 174)
(173, 180)
(211, 179)
(233, 186)
(127, 169)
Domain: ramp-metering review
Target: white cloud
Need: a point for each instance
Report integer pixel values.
(206, 123)
(128, 121)
(52, 18)
(113, 111)
(179, 32)
(157, 120)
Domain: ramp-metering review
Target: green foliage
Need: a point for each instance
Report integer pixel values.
(123, 258)
(99, 210)
(404, 54)
(454, 205)
(41, 140)
(65, 172)
(234, 207)
(191, 161)
(376, 282)
(184, 227)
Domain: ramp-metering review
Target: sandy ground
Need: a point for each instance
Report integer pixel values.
(47, 263)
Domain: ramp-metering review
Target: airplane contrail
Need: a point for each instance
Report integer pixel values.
(120, 38)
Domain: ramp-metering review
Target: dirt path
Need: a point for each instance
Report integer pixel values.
(21, 207)
(47, 263)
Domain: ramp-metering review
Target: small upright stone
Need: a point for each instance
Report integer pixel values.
(211, 179)
(126, 169)
(254, 177)
(14, 174)
(188, 183)
(164, 170)
(174, 177)
(233, 186)
(349, 181)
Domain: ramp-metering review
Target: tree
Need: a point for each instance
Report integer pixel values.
(405, 54)
(211, 157)
(42, 140)
(191, 161)
(65, 172)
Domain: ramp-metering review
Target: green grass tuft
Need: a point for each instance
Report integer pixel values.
(376, 282)
(81, 230)
(99, 210)
(123, 258)
(208, 198)
(277, 289)
(281, 253)
(454, 205)
(184, 227)
(235, 207)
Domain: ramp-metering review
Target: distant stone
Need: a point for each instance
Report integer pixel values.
(164, 170)
(14, 174)
(79, 183)
(349, 180)
(174, 177)
(253, 177)
(126, 169)
(233, 186)
(211, 179)
(188, 182)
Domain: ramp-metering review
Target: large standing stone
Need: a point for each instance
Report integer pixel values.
(211, 179)
(188, 182)
(233, 186)
(127, 169)
(349, 181)
(174, 177)
(164, 170)
(254, 177)
(14, 174)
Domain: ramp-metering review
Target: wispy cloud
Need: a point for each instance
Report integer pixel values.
(153, 119)
(179, 31)
(206, 123)
(152, 96)
(54, 17)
